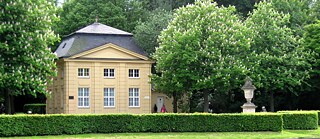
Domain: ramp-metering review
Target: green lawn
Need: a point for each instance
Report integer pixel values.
(189, 135)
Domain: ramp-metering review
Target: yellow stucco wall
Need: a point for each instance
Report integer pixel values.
(67, 85)
(167, 101)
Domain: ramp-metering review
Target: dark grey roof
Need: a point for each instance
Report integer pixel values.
(86, 39)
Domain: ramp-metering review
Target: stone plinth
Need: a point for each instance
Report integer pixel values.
(248, 108)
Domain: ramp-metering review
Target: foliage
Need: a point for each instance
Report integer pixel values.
(146, 33)
(35, 108)
(277, 59)
(27, 125)
(312, 37)
(165, 4)
(122, 14)
(242, 6)
(202, 48)
(301, 13)
(300, 120)
(26, 63)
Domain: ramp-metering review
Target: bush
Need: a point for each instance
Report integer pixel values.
(31, 125)
(35, 108)
(300, 119)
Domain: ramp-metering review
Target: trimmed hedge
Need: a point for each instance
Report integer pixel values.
(31, 125)
(300, 119)
(35, 108)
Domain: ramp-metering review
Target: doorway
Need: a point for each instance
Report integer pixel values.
(160, 102)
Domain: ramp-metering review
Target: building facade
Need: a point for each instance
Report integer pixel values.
(101, 70)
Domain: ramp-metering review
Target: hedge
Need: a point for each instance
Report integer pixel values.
(300, 119)
(31, 125)
(35, 108)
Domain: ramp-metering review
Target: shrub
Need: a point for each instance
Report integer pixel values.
(30, 125)
(300, 119)
(35, 108)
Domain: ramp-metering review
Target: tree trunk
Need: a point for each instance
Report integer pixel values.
(271, 101)
(9, 102)
(175, 103)
(205, 100)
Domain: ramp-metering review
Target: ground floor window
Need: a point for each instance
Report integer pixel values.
(109, 97)
(134, 97)
(83, 97)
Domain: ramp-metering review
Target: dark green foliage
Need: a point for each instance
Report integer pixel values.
(298, 120)
(35, 108)
(27, 125)
(120, 14)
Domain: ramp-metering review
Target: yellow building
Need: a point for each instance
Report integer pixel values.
(102, 70)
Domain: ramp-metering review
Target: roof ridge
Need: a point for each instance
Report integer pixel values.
(99, 28)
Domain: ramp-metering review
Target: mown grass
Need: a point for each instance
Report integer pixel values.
(190, 135)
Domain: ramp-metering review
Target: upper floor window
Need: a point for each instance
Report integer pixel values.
(83, 97)
(109, 97)
(108, 73)
(134, 73)
(83, 72)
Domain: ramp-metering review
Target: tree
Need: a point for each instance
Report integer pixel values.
(277, 59)
(312, 43)
(26, 62)
(146, 33)
(301, 13)
(122, 14)
(202, 49)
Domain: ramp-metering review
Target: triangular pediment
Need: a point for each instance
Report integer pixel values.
(110, 51)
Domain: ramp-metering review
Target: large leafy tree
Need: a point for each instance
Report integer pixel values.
(278, 60)
(122, 14)
(312, 43)
(202, 50)
(146, 33)
(26, 63)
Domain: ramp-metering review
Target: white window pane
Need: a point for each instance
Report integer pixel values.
(130, 101)
(111, 101)
(106, 102)
(80, 101)
(136, 101)
(86, 101)
(111, 91)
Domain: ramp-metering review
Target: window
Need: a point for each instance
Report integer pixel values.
(109, 97)
(134, 73)
(83, 72)
(134, 97)
(108, 73)
(83, 97)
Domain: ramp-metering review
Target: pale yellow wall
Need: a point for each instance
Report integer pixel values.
(96, 83)
(109, 52)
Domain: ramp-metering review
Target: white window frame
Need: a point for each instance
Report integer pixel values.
(109, 97)
(134, 73)
(107, 73)
(135, 95)
(83, 97)
(83, 72)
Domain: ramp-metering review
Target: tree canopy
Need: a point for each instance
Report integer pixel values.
(202, 49)
(146, 33)
(26, 62)
(278, 59)
(122, 14)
